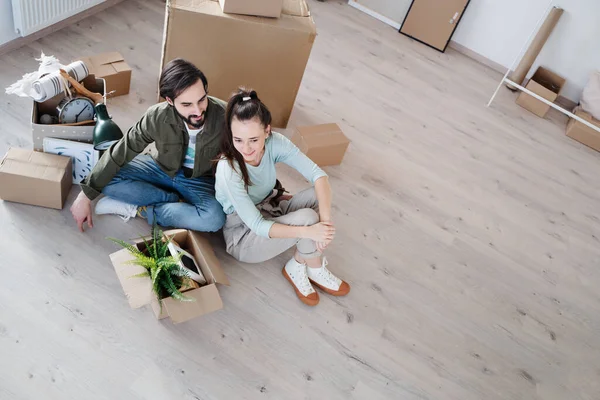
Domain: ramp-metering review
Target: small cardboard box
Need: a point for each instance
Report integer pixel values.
(583, 133)
(39, 179)
(113, 69)
(324, 144)
(250, 44)
(264, 8)
(544, 83)
(78, 132)
(139, 290)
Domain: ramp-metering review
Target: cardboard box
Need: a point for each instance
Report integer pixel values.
(324, 144)
(139, 290)
(81, 133)
(264, 8)
(266, 54)
(544, 83)
(113, 69)
(583, 133)
(39, 179)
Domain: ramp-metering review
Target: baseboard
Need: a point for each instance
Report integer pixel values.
(22, 41)
(374, 14)
(477, 57)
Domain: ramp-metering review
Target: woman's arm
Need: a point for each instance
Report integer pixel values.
(323, 231)
(319, 232)
(323, 191)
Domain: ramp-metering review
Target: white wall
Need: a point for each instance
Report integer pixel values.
(572, 51)
(497, 30)
(7, 26)
(392, 9)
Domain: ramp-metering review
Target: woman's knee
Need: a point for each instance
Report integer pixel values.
(304, 217)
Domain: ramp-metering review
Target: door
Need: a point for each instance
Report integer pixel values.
(433, 21)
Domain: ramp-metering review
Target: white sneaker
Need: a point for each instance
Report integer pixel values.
(295, 273)
(326, 281)
(108, 205)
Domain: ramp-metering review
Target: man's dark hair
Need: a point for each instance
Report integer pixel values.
(177, 76)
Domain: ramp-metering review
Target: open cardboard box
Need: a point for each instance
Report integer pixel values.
(113, 69)
(139, 290)
(544, 83)
(77, 132)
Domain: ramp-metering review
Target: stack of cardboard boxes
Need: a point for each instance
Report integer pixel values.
(70, 148)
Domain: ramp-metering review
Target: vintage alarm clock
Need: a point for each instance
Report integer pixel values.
(75, 109)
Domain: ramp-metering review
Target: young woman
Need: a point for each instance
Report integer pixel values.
(262, 222)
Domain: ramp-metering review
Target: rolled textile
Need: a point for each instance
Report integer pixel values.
(52, 84)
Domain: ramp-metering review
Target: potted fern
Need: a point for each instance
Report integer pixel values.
(167, 275)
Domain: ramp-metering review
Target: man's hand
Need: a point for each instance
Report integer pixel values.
(82, 211)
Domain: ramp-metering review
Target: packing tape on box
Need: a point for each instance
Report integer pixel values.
(52, 84)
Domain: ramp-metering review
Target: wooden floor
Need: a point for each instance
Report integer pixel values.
(470, 237)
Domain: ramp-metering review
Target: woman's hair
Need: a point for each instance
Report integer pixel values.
(243, 105)
(177, 76)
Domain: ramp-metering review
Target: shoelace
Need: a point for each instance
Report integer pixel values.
(304, 285)
(327, 275)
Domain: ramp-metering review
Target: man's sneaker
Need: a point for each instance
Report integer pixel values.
(108, 205)
(295, 273)
(326, 281)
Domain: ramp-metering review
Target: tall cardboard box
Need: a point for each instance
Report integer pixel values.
(260, 8)
(544, 83)
(113, 69)
(39, 179)
(324, 144)
(77, 132)
(583, 133)
(266, 54)
(139, 290)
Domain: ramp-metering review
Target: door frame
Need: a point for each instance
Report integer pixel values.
(427, 44)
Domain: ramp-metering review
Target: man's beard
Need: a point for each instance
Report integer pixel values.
(196, 125)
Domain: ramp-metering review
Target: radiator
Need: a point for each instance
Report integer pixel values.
(33, 15)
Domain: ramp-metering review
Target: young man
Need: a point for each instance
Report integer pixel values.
(175, 186)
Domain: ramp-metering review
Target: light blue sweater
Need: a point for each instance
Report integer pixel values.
(232, 194)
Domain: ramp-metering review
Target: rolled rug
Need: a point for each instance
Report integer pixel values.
(78, 70)
(47, 87)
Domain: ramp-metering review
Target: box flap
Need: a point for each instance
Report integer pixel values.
(138, 290)
(105, 70)
(322, 135)
(207, 257)
(549, 80)
(107, 58)
(293, 8)
(121, 66)
(207, 300)
(37, 158)
(20, 168)
(32, 164)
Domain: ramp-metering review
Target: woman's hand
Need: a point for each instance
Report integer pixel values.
(321, 232)
(321, 246)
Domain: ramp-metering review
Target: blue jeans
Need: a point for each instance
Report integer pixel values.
(143, 183)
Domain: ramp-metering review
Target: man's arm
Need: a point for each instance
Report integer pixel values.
(133, 143)
(137, 138)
